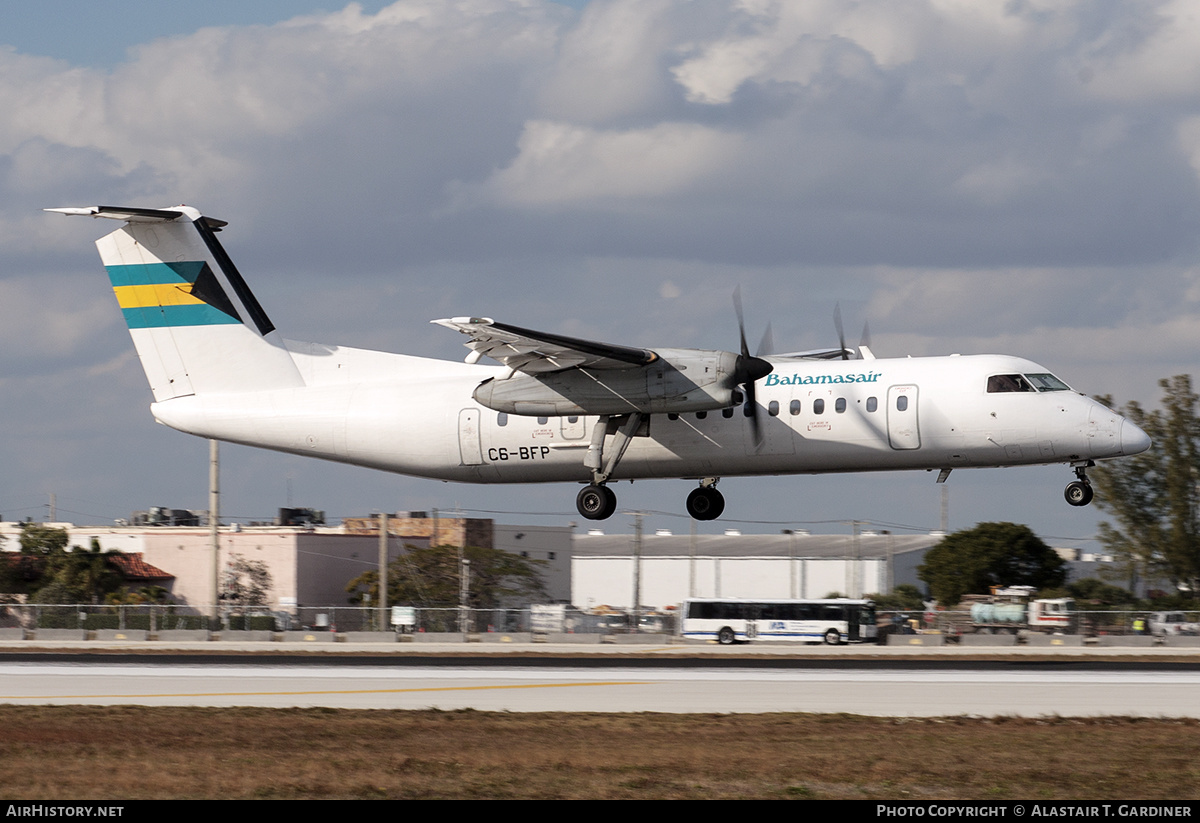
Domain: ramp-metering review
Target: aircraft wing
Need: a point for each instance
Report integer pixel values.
(536, 352)
(816, 354)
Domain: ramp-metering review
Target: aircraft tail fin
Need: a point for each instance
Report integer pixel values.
(195, 323)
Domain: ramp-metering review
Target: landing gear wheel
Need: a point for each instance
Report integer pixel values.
(705, 503)
(726, 636)
(1078, 493)
(596, 502)
(833, 638)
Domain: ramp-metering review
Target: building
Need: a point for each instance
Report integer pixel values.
(788, 565)
(311, 566)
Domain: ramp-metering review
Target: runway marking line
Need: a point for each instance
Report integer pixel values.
(325, 691)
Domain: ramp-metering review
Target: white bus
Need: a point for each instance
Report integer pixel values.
(728, 620)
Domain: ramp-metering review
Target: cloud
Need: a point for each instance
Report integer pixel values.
(966, 175)
(563, 164)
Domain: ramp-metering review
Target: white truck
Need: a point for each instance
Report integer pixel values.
(1012, 608)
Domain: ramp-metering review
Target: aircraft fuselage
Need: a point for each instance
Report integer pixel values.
(816, 416)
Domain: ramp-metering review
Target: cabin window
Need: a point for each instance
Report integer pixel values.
(1007, 383)
(747, 409)
(773, 408)
(819, 406)
(573, 419)
(543, 421)
(727, 413)
(902, 403)
(794, 408)
(672, 416)
(502, 419)
(840, 405)
(872, 403)
(1047, 382)
(701, 415)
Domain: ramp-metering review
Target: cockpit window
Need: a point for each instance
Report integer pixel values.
(1047, 382)
(1007, 383)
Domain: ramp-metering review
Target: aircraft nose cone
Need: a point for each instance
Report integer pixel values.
(1133, 439)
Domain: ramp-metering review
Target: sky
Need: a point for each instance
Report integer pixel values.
(972, 176)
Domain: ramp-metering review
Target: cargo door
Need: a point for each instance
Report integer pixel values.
(469, 449)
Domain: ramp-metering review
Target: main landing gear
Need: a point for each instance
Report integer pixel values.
(705, 503)
(1079, 492)
(596, 501)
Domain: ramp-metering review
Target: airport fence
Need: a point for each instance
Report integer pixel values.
(1092, 623)
(154, 618)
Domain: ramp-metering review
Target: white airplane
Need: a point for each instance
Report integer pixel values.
(565, 410)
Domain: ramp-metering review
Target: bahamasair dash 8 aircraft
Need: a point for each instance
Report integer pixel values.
(558, 409)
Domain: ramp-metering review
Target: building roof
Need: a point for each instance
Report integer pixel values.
(133, 567)
(755, 545)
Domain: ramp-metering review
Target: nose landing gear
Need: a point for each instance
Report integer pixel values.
(1079, 492)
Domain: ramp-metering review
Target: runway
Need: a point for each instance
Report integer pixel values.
(903, 692)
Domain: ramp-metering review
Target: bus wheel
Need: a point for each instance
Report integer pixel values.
(725, 637)
(833, 638)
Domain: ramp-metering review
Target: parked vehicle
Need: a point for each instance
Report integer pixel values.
(734, 620)
(1166, 624)
(1013, 608)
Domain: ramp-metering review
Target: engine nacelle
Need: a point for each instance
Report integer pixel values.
(679, 380)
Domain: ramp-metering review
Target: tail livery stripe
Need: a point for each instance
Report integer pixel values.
(159, 295)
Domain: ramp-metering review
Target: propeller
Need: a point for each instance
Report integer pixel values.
(767, 344)
(837, 324)
(749, 368)
(864, 342)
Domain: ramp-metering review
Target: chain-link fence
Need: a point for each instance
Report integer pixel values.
(341, 619)
(1094, 623)
(156, 619)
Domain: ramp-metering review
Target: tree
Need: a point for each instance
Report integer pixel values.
(1096, 594)
(430, 577)
(991, 554)
(39, 539)
(1154, 496)
(246, 581)
(48, 572)
(904, 598)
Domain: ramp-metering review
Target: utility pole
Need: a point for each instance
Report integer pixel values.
(214, 505)
(791, 533)
(854, 578)
(692, 560)
(383, 571)
(637, 573)
(464, 591)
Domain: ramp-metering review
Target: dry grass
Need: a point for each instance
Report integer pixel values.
(130, 752)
